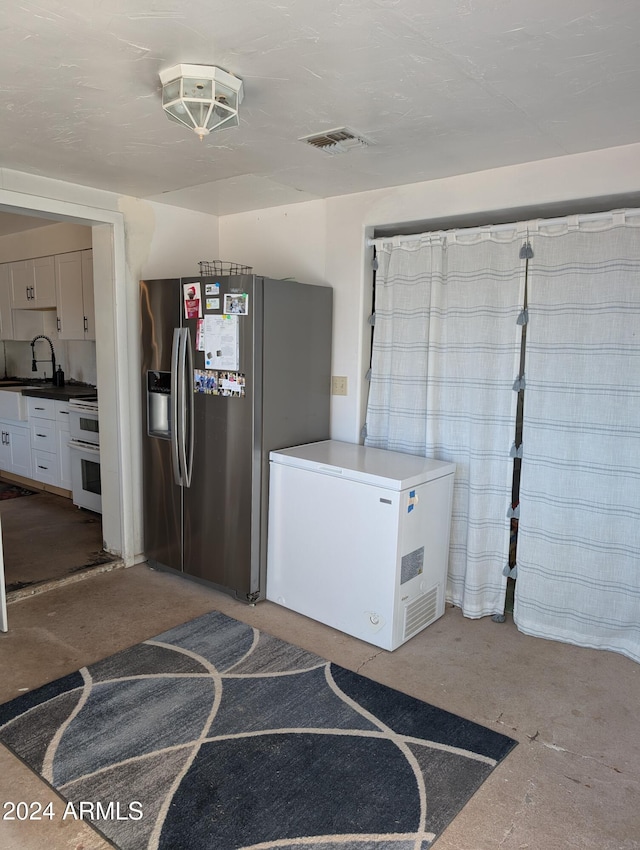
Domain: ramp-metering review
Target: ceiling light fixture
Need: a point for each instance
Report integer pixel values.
(201, 97)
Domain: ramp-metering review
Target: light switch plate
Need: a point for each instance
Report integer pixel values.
(339, 385)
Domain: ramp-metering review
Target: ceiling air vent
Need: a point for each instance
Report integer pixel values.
(336, 141)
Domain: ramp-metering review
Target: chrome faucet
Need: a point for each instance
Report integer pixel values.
(34, 362)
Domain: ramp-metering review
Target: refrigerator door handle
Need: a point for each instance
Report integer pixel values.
(187, 408)
(176, 436)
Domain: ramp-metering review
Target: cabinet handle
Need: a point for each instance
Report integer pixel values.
(86, 324)
(39, 408)
(42, 467)
(58, 323)
(41, 435)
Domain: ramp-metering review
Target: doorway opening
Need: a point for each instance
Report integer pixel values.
(47, 539)
(55, 539)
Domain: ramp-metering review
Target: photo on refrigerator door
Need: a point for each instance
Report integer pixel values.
(219, 383)
(236, 304)
(231, 384)
(205, 381)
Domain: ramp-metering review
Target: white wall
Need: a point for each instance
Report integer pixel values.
(52, 238)
(165, 241)
(280, 242)
(76, 357)
(325, 241)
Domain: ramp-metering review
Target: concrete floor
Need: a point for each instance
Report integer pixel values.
(573, 781)
(46, 538)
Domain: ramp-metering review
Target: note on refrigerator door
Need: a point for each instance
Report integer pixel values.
(221, 343)
(192, 300)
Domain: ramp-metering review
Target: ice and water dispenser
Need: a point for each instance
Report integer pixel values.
(159, 404)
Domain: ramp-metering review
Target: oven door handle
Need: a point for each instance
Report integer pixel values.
(176, 419)
(90, 448)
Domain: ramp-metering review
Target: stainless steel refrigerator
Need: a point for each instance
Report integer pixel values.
(232, 368)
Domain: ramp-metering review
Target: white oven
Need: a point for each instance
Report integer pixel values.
(84, 445)
(84, 424)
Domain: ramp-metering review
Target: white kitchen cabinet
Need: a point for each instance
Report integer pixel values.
(44, 466)
(62, 442)
(74, 295)
(6, 316)
(21, 281)
(42, 424)
(30, 323)
(87, 295)
(15, 448)
(49, 429)
(33, 284)
(41, 408)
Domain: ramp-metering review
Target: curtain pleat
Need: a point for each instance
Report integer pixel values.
(445, 357)
(579, 528)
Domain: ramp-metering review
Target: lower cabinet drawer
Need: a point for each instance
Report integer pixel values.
(45, 466)
(43, 436)
(41, 408)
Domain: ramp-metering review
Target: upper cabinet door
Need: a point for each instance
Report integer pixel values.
(87, 295)
(23, 284)
(44, 273)
(6, 316)
(69, 295)
(33, 284)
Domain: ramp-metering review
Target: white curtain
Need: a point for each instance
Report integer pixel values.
(445, 357)
(579, 531)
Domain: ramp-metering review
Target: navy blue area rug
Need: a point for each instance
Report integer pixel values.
(216, 736)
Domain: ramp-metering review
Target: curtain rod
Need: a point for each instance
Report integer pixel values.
(414, 237)
(502, 228)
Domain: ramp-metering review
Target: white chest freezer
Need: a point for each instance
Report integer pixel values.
(359, 538)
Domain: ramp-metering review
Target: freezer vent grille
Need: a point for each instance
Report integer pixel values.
(420, 612)
(339, 140)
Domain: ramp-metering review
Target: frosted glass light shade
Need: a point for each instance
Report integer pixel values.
(201, 97)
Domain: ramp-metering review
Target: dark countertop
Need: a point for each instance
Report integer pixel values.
(65, 393)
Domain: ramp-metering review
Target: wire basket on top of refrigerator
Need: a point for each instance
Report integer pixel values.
(220, 267)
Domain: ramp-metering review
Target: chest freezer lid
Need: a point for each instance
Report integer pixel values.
(379, 467)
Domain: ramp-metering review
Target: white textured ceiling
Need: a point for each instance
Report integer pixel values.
(440, 87)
